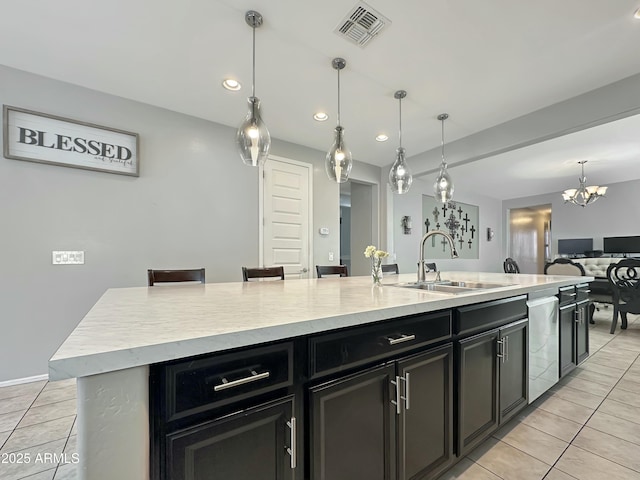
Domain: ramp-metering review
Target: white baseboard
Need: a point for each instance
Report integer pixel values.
(19, 381)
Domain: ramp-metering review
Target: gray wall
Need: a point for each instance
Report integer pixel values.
(614, 215)
(405, 247)
(195, 204)
(361, 227)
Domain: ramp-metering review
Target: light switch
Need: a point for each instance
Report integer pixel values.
(74, 257)
(331, 256)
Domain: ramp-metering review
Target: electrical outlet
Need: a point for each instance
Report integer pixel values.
(331, 256)
(75, 257)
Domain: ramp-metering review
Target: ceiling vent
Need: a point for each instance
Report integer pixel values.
(361, 24)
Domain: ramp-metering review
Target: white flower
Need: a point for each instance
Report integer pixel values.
(370, 250)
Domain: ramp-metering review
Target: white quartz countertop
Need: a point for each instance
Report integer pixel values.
(129, 327)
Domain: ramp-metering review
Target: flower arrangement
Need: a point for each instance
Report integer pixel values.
(376, 257)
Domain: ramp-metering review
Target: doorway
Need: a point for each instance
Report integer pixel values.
(358, 225)
(530, 237)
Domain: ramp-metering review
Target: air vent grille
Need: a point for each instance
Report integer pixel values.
(361, 24)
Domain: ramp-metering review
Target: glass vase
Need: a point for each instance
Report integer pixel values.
(376, 272)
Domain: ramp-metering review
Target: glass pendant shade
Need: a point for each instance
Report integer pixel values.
(583, 195)
(443, 186)
(400, 178)
(339, 161)
(252, 139)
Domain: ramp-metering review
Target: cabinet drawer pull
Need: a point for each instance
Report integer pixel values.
(570, 294)
(506, 348)
(585, 291)
(292, 450)
(241, 381)
(401, 339)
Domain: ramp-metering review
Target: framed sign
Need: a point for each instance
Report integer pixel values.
(459, 220)
(42, 138)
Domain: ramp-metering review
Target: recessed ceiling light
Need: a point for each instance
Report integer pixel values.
(231, 84)
(382, 138)
(637, 14)
(320, 116)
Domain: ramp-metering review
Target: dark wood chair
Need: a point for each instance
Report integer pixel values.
(262, 272)
(324, 270)
(390, 268)
(510, 266)
(431, 267)
(624, 278)
(172, 276)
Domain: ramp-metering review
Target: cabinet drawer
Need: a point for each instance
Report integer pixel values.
(567, 295)
(582, 292)
(348, 348)
(195, 386)
(484, 316)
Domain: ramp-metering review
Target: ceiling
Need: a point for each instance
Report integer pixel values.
(483, 62)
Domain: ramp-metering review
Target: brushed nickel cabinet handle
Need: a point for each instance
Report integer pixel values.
(241, 381)
(292, 450)
(396, 402)
(403, 338)
(500, 349)
(407, 387)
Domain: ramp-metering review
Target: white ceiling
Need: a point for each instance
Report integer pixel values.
(483, 62)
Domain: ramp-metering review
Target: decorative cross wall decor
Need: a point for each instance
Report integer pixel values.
(460, 220)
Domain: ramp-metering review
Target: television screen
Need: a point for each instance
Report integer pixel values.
(574, 246)
(622, 244)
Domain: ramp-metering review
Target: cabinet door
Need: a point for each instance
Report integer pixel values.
(249, 444)
(567, 339)
(477, 389)
(514, 371)
(425, 432)
(582, 332)
(353, 427)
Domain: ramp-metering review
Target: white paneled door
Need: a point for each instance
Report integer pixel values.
(286, 212)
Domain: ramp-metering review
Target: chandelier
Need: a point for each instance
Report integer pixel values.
(583, 195)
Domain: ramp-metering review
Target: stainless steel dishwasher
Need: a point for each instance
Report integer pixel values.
(544, 350)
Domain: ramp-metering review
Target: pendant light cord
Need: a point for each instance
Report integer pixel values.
(253, 81)
(400, 122)
(442, 140)
(338, 97)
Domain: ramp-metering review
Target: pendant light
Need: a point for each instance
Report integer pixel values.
(253, 139)
(400, 177)
(338, 162)
(443, 187)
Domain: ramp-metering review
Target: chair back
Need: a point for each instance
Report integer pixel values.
(624, 278)
(171, 276)
(510, 266)
(390, 268)
(324, 270)
(564, 266)
(430, 267)
(262, 272)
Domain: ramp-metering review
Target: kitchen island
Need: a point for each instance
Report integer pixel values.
(131, 328)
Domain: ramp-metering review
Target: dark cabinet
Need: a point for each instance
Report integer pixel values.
(226, 416)
(388, 422)
(492, 381)
(514, 368)
(353, 427)
(568, 359)
(582, 331)
(574, 327)
(257, 444)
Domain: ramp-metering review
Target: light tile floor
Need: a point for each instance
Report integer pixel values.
(587, 427)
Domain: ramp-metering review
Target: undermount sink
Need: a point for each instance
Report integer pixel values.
(452, 287)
